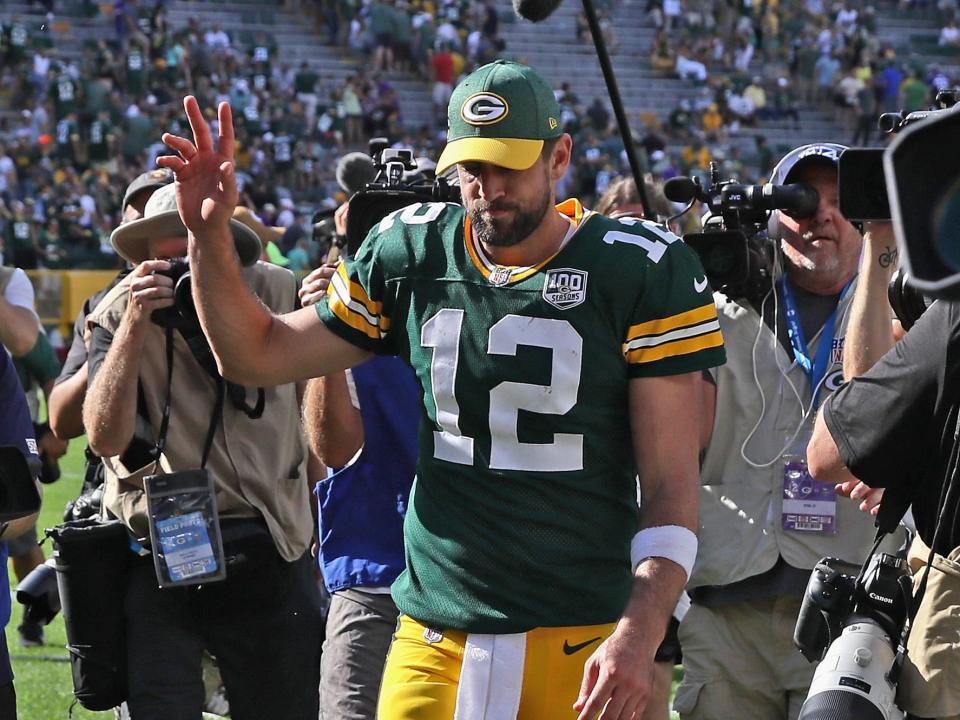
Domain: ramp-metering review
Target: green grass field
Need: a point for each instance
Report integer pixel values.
(44, 686)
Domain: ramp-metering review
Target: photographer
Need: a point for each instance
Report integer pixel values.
(913, 392)
(759, 540)
(362, 423)
(263, 622)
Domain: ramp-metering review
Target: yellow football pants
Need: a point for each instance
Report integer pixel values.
(455, 676)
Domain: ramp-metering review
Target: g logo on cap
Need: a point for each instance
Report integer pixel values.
(484, 109)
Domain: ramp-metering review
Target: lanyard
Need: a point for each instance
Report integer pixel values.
(816, 368)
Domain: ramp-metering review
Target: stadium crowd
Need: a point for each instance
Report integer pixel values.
(759, 62)
(88, 125)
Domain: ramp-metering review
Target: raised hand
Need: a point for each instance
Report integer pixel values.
(206, 184)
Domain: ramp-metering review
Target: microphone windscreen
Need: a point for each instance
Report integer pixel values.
(535, 10)
(354, 171)
(680, 189)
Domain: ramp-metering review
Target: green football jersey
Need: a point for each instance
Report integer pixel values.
(524, 504)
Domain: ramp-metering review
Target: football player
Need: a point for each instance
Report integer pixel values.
(559, 354)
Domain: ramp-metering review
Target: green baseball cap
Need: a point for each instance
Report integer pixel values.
(501, 113)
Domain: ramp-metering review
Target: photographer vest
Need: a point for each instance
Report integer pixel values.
(741, 529)
(258, 466)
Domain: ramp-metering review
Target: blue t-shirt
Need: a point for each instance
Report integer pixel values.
(16, 430)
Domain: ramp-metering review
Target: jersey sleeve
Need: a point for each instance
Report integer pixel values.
(357, 305)
(674, 327)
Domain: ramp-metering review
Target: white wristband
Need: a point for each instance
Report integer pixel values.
(672, 542)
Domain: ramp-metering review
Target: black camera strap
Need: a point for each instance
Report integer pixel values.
(165, 421)
(200, 349)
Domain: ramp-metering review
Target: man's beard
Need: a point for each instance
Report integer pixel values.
(505, 233)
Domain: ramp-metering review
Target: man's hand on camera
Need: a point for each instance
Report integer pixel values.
(314, 286)
(206, 184)
(149, 291)
(869, 497)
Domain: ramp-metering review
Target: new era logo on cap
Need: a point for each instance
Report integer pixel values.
(484, 109)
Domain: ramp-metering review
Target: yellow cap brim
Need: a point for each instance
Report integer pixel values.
(511, 153)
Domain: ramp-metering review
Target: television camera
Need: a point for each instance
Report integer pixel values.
(733, 247)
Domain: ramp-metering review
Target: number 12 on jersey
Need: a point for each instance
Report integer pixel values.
(442, 333)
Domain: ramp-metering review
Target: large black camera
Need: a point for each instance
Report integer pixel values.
(862, 182)
(398, 182)
(852, 625)
(733, 247)
(183, 313)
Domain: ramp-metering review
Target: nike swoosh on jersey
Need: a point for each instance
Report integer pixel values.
(700, 285)
(569, 649)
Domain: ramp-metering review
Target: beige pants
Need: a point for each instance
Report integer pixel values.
(739, 662)
(930, 684)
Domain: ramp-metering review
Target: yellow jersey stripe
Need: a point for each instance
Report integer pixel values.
(352, 319)
(356, 291)
(650, 341)
(674, 322)
(673, 349)
(352, 312)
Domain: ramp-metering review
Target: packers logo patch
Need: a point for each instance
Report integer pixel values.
(833, 381)
(565, 288)
(484, 109)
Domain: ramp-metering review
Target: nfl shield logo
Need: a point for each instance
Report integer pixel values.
(565, 288)
(500, 276)
(432, 636)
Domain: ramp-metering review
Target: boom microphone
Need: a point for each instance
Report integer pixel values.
(535, 10)
(354, 171)
(681, 189)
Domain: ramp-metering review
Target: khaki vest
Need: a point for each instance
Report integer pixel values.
(259, 466)
(741, 532)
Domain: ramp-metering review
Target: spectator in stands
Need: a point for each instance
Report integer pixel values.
(914, 93)
(949, 34)
(757, 95)
(866, 121)
(382, 26)
(218, 44)
(825, 71)
(687, 66)
(662, 56)
(599, 115)
(443, 79)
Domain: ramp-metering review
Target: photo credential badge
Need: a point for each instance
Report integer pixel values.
(808, 505)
